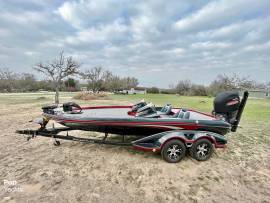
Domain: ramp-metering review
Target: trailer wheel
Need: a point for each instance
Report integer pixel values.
(173, 151)
(56, 143)
(202, 150)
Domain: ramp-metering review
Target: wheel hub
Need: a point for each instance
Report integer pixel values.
(174, 152)
(202, 150)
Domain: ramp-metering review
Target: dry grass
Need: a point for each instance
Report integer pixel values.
(90, 96)
(77, 172)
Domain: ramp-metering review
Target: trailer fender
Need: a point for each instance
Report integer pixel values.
(217, 140)
(189, 137)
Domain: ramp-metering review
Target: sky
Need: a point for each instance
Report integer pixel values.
(159, 42)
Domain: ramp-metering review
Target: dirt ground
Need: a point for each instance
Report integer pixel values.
(37, 171)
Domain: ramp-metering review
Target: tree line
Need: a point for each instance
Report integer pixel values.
(221, 83)
(60, 74)
(99, 79)
(21, 82)
(26, 82)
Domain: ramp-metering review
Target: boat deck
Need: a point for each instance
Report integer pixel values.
(106, 113)
(122, 113)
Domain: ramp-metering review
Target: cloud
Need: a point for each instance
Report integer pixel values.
(82, 14)
(157, 41)
(219, 13)
(4, 32)
(210, 45)
(30, 53)
(103, 33)
(175, 52)
(250, 29)
(258, 47)
(23, 18)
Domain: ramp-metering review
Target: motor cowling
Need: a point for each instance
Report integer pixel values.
(226, 104)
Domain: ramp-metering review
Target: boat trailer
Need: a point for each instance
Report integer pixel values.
(172, 145)
(54, 133)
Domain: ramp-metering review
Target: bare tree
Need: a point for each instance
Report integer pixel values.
(94, 77)
(129, 82)
(108, 78)
(57, 70)
(232, 82)
(183, 87)
(115, 83)
(100, 79)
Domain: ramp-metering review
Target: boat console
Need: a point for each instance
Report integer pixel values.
(138, 105)
(148, 111)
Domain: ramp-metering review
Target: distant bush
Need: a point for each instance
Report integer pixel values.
(90, 96)
(198, 90)
(153, 90)
(168, 91)
(42, 98)
(185, 87)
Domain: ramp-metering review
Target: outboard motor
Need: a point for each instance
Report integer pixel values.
(230, 107)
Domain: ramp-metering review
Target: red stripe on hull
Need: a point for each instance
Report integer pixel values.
(160, 125)
(187, 127)
(106, 107)
(129, 122)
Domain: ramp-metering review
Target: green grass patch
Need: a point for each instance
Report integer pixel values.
(256, 109)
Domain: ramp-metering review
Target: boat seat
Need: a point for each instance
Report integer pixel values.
(186, 115)
(180, 113)
(183, 113)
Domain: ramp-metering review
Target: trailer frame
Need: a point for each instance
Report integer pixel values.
(54, 133)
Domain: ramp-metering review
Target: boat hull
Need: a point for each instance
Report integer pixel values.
(145, 127)
(117, 120)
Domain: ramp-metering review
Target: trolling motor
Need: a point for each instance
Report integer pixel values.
(49, 109)
(71, 106)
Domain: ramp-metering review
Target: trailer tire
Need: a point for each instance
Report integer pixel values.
(202, 150)
(173, 151)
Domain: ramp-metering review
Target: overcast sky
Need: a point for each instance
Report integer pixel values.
(157, 41)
